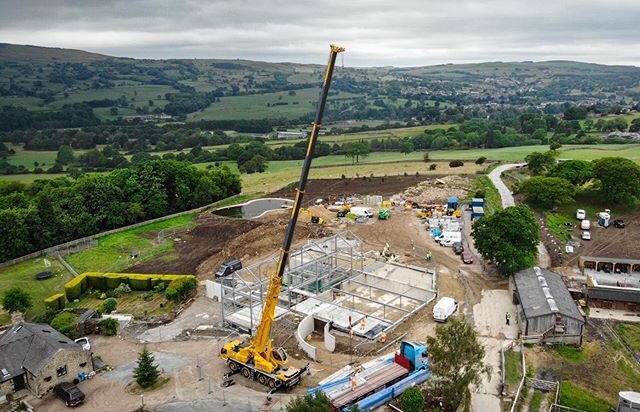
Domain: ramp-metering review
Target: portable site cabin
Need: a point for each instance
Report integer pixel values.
(477, 212)
(452, 203)
(546, 311)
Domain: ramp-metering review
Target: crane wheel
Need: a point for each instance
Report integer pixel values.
(246, 372)
(262, 379)
(233, 367)
(272, 383)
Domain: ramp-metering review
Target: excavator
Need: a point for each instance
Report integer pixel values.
(258, 359)
(313, 217)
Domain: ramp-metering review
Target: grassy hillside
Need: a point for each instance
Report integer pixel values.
(39, 78)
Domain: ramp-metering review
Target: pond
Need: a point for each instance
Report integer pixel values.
(253, 208)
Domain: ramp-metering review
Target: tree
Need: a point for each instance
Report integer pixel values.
(538, 162)
(257, 164)
(406, 147)
(555, 146)
(65, 155)
(577, 172)
(619, 179)
(548, 191)
(575, 113)
(412, 400)
(456, 358)
(146, 373)
(16, 299)
(509, 238)
(356, 150)
(318, 402)
(425, 157)
(109, 305)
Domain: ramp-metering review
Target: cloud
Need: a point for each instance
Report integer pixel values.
(375, 32)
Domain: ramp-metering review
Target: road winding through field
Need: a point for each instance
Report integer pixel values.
(507, 200)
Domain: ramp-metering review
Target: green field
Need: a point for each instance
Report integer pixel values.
(23, 275)
(255, 106)
(578, 397)
(113, 253)
(139, 95)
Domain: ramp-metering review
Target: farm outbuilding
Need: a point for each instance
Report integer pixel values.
(546, 311)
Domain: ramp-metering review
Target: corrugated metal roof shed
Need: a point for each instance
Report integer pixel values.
(542, 292)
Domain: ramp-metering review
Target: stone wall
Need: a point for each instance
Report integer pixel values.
(47, 377)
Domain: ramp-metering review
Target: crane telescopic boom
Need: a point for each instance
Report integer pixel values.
(258, 360)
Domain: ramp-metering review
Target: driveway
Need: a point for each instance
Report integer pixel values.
(494, 333)
(543, 260)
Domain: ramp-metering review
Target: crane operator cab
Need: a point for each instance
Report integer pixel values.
(279, 354)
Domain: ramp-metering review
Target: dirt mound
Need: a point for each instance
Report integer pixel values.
(437, 190)
(257, 238)
(334, 189)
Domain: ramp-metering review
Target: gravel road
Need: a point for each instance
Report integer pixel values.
(507, 200)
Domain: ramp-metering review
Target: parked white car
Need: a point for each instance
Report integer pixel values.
(581, 214)
(585, 224)
(586, 236)
(447, 242)
(84, 342)
(444, 308)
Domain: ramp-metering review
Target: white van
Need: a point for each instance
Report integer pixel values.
(585, 225)
(444, 308)
(362, 211)
(452, 236)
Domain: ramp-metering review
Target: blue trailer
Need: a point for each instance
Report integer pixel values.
(452, 203)
(477, 202)
(380, 383)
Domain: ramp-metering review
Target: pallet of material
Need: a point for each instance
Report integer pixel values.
(387, 374)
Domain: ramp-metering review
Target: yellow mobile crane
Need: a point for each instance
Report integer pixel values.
(259, 360)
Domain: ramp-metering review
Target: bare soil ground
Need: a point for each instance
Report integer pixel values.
(216, 239)
(611, 242)
(333, 189)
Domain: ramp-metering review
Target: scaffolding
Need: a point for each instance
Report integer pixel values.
(333, 280)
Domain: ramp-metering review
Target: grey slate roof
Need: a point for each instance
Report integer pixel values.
(618, 294)
(535, 302)
(30, 345)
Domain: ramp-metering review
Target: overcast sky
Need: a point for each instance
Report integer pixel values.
(375, 32)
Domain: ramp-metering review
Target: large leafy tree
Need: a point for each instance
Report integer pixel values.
(619, 179)
(547, 191)
(577, 172)
(538, 162)
(509, 238)
(456, 359)
(16, 299)
(356, 150)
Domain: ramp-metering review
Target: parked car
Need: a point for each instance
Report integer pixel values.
(69, 394)
(619, 224)
(228, 268)
(467, 258)
(458, 248)
(585, 225)
(581, 214)
(586, 235)
(447, 242)
(444, 308)
(84, 342)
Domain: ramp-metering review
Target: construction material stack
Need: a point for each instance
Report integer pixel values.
(379, 381)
